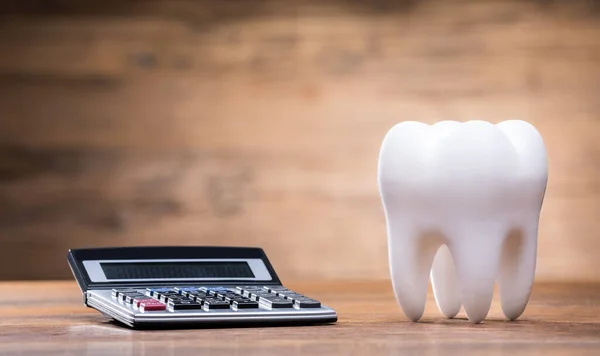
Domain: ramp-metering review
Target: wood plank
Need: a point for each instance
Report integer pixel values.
(47, 318)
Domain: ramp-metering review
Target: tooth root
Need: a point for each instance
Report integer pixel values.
(476, 257)
(445, 283)
(410, 254)
(517, 270)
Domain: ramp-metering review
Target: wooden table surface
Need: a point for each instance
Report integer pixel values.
(48, 318)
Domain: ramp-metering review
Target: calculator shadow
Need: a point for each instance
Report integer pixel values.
(216, 325)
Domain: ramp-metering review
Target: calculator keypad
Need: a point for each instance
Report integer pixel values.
(213, 298)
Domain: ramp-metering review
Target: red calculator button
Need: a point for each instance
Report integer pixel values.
(152, 306)
(145, 300)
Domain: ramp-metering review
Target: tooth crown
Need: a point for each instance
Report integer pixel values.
(462, 203)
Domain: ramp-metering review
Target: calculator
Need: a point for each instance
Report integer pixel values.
(185, 286)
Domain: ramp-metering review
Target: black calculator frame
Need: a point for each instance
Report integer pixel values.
(77, 256)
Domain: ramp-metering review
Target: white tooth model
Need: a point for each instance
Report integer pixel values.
(462, 201)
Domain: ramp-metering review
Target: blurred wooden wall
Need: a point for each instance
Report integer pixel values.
(259, 122)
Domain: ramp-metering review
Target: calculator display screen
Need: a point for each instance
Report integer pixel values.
(166, 270)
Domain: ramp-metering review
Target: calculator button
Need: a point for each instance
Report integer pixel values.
(306, 303)
(275, 289)
(276, 302)
(247, 293)
(213, 303)
(197, 294)
(237, 297)
(244, 304)
(116, 291)
(163, 290)
(182, 290)
(171, 292)
(183, 305)
(155, 292)
(248, 288)
(173, 298)
(213, 290)
(123, 295)
(192, 292)
(120, 292)
(154, 305)
(163, 297)
(144, 299)
(199, 297)
(130, 297)
(199, 300)
(291, 295)
(257, 294)
(213, 298)
(227, 295)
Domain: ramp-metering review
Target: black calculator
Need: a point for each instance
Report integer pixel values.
(183, 286)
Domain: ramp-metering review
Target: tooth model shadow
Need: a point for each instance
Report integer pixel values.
(462, 201)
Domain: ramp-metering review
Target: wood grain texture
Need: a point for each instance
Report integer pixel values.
(48, 318)
(259, 123)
